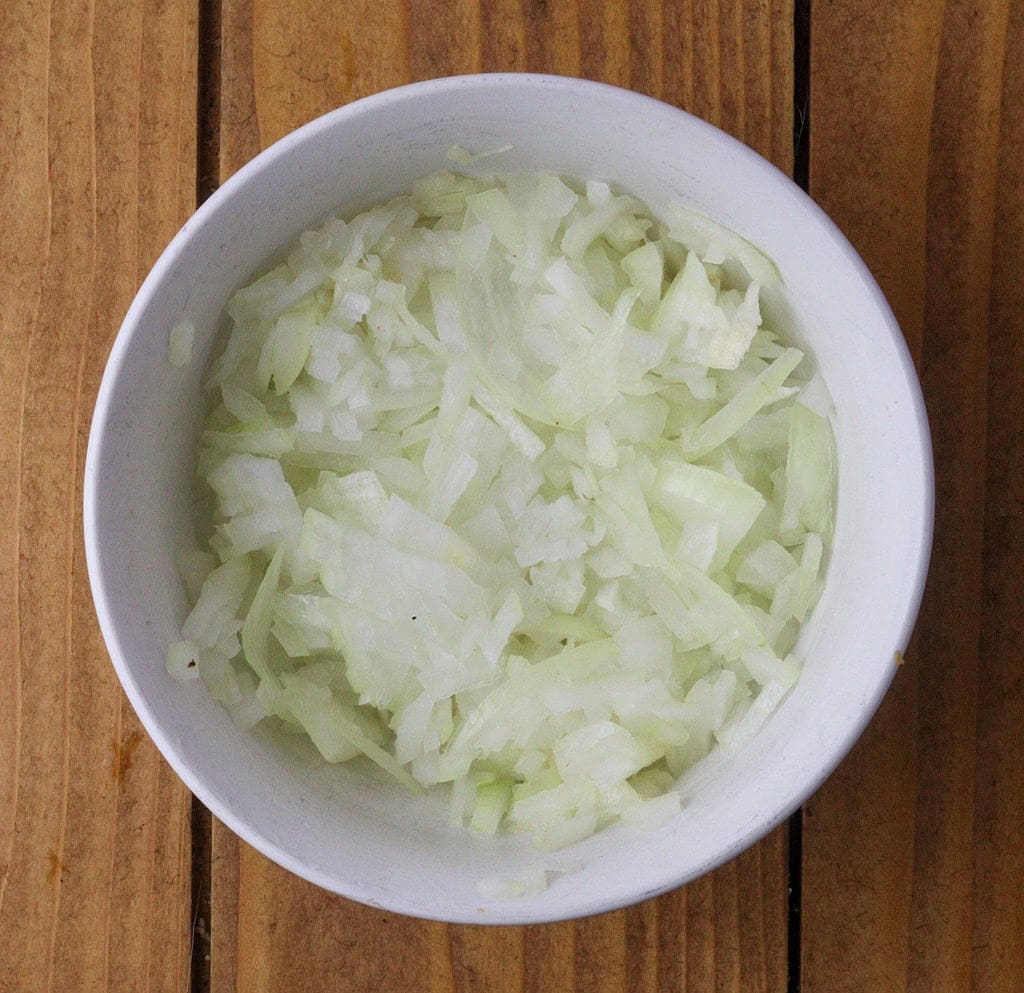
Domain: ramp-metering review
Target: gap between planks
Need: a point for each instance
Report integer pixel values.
(801, 176)
(208, 95)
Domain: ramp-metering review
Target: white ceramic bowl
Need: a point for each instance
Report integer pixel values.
(334, 825)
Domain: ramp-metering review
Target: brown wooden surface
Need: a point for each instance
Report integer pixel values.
(912, 854)
(97, 171)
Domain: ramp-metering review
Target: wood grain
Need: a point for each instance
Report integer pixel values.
(873, 70)
(997, 947)
(901, 866)
(97, 131)
(285, 61)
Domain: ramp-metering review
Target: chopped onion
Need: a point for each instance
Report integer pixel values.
(515, 496)
(179, 344)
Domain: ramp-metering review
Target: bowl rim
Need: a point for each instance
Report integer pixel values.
(506, 913)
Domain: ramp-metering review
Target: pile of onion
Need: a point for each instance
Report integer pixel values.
(510, 491)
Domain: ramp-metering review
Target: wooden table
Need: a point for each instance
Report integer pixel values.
(905, 118)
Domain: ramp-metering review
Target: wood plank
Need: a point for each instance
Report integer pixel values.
(97, 126)
(998, 948)
(872, 82)
(905, 137)
(961, 194)
(286, 61)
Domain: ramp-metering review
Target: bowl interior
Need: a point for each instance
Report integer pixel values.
(338, 826)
